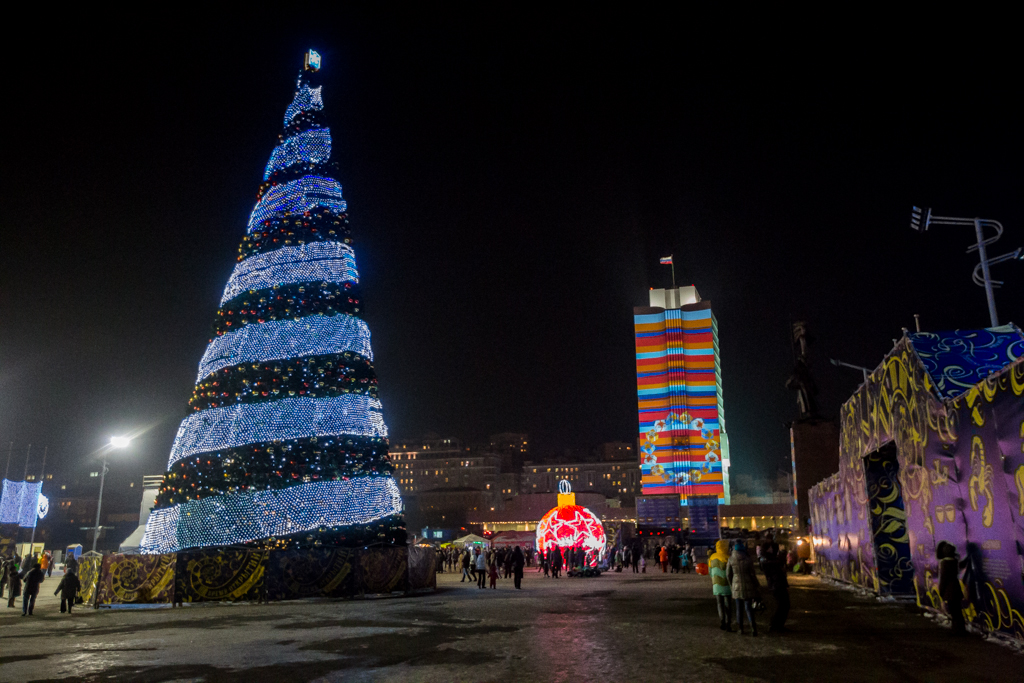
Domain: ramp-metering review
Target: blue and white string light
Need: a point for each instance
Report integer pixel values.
(20, 503)
(314, 335)
(317, 262)
(309, 147)
(286, 418)
(252, 515)
(298, 196)
(287, 434)
(306, 99)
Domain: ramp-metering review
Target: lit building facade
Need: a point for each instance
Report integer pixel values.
(609, 478)
(684, 448)
(426, 465)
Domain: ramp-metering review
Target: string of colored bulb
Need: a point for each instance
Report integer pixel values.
(298, 196)
(317, 262)
(313, 376)
(306, 99)
(270, 465)
(313, 335)
(309, 147)
(282, 302)
(248, 516)
(287, 418)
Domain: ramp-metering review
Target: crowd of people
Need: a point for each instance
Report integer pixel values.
(736, 588)
(19, 577)
(480, 564)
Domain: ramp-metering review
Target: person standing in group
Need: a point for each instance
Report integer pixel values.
(634, 560)
(68, 589)
(465, 567)
(492, 572)
(33, 578)
(949, 585)
(663, 559)
(44, 561)
(518, 562)
(5, 572)
(508, 565)
(481, 569)
(773, 564)
(556, 561)
(720, 584)
(15, 581)
(744, 585)
(643, 564)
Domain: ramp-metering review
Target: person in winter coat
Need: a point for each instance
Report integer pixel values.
(33, 578)
(465, 567)
(68, 589)
(15, 580)
(773, 564)
(518, 562)
(492, 572)
(556, 561)
(720, 584)
(949, 585)
(663, 559)
(481, 569)
(5, 573)
(744, 585)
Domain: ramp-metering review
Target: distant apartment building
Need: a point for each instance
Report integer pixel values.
(442, 480)
(611, 478)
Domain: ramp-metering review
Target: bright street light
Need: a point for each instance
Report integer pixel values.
(115, 442)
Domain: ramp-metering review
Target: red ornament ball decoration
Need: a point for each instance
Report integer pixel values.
(572, 526)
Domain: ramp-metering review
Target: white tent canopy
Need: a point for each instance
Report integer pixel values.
(470, 540)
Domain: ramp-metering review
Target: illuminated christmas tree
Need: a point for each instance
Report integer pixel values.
(285, 443)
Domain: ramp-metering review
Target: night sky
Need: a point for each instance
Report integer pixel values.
(511, 185)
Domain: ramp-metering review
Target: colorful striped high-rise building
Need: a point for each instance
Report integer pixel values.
(684, 449)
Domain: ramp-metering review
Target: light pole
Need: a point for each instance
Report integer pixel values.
(115, 442)
(982, 277)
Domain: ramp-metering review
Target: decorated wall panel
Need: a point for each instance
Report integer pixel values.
(312, 573)
(89, 576)
(384, 570)
(131, 579)
(422, 567)
(228, 575)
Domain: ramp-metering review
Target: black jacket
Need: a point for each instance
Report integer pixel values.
(32, 581)
(68, 587)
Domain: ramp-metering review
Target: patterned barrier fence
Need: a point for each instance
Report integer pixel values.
(237, 575)
(422, 568)
(136, 579)
(314, 573)
(89, 576)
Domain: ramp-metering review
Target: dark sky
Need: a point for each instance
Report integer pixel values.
(511, 185)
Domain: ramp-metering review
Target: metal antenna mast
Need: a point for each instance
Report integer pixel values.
(982, 277)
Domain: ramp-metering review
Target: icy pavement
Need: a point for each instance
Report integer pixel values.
(618, 627)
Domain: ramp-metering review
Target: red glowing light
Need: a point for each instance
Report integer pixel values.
(572, 526)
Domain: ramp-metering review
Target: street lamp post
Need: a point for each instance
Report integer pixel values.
(115, 442)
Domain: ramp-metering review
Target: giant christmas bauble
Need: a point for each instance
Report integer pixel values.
(571, 526)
